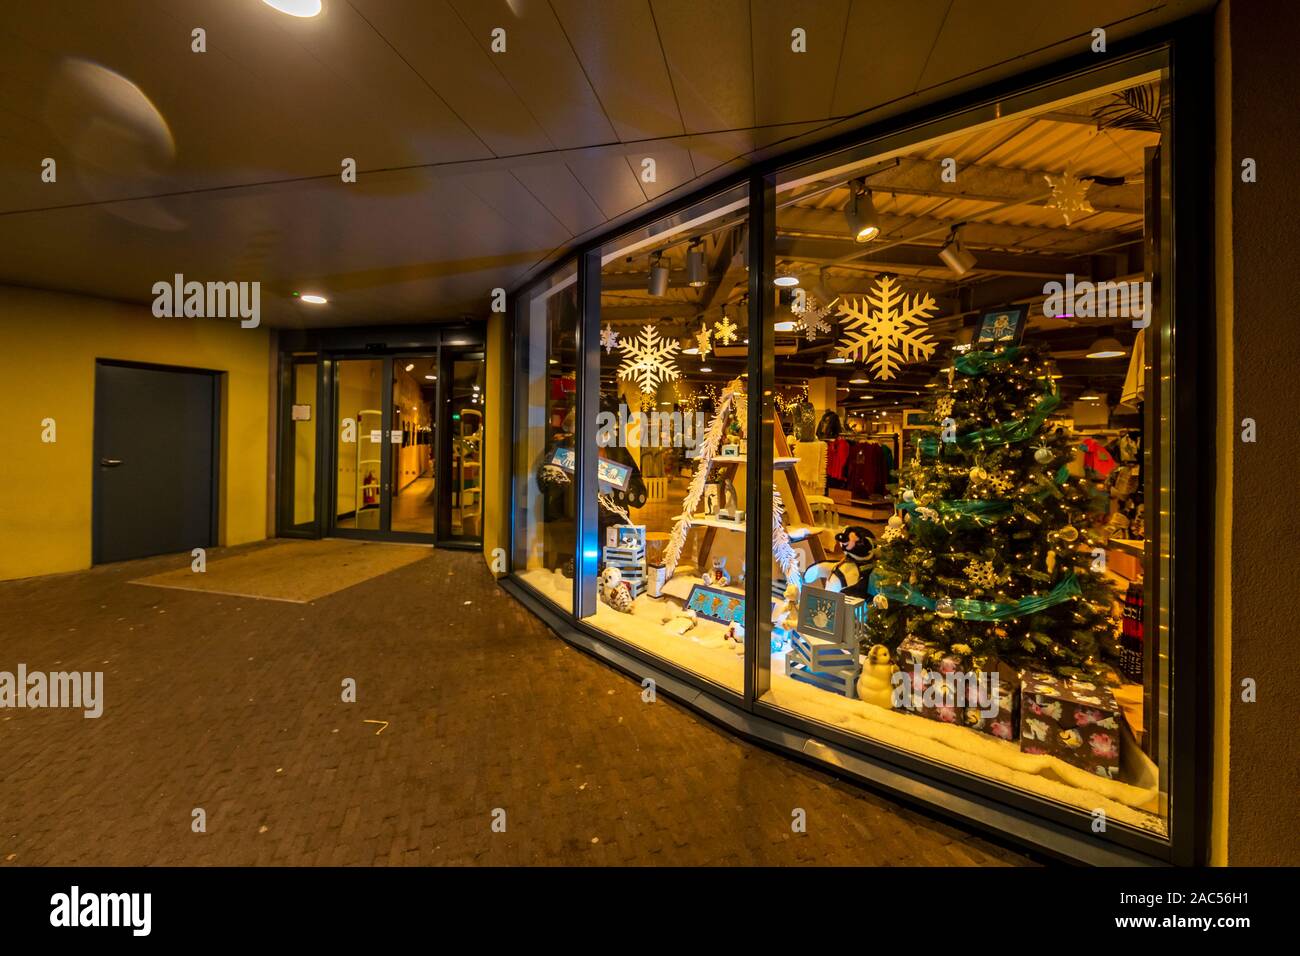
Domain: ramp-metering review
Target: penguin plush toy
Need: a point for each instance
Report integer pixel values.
(850, 574)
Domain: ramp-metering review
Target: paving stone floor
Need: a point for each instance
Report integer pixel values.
(234, 706)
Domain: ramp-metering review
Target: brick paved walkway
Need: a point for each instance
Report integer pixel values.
(233, 705)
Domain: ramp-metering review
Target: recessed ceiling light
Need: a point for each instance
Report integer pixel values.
(705, 368)
(837, 360)
(859, 381)
(786, 281)
(693, 350)
(784, 327)
(1090, 397)
(475, 387)
(314, 299)
(867, 397)
(411, 366)
(432, 378)
(553, 361)
(296, 8)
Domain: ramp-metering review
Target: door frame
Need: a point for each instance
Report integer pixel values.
(388, 343)
(216, 378)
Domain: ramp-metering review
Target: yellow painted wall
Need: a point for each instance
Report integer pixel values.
(496, 447)
(48, 346)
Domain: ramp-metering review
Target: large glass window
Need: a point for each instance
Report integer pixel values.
(972, 457)
(545, 531)
(671, 439)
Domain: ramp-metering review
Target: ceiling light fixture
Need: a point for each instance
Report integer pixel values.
(1090, 397)
(313, 298)
(434, 378)
(705, 368)
(785, 279)
(693, 350)
(784, 326)
(1106, 347)
(837, 360)
(296, 8)
(959, 260)
(696, 274)
(658, 275)
(410, 366)
(860, 213)
(859, 381)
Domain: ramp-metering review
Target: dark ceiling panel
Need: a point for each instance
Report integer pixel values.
(792, 87)
(554, 184)
(541, 68)
(608, 178)
(709, 57)
(617, 46)
(434, 40)
(886, 46)
(672, 166)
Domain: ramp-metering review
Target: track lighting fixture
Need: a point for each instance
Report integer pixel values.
(658, 275)
(864, 225)
(696, 274)
(956, 258)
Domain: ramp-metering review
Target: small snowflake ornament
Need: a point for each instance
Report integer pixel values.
(725, 330)
(702, 341)
(886, 328)
(608, 339)
(649, 360)
(982, 574)
(1069, 195)
(943, 407)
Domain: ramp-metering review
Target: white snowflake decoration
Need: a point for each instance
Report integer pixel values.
(725, 330)
(703, 342)
(1069, 195)
(608, 339)
(648, 360)
(886, 328)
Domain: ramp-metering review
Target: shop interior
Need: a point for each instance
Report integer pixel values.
(912, 293)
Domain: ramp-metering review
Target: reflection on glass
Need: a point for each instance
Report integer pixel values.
(302, 444)
(358, 398)
(965, 481)
(414, 392)
(467, 404)
(672, 439)
(545, 406)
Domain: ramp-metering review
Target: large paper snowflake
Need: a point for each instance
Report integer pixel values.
(1069, 195)
(886, 329)
(648, 359)
(608, 339)
(725, 330)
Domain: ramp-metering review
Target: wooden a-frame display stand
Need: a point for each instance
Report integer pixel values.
(784, 463)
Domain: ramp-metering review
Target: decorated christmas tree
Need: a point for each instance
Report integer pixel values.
(985, 557)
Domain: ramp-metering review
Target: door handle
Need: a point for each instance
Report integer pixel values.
(110, 462)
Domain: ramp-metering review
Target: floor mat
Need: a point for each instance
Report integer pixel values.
(295, 571)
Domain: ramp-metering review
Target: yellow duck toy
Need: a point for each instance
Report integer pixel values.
(875, 683)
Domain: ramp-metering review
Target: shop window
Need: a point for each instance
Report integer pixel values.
(972, 402)
(671, 439)
(545, 528)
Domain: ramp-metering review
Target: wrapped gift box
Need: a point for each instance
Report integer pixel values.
(1005, 724)
(929, 693)
(1077, 721)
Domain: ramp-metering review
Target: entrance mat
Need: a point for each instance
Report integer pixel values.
(295, 571)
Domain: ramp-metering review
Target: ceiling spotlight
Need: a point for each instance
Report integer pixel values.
(314, 299)
(696, 274)
(1106, 347)
(295, 8)
(658, 276)
(959, 260)
(410, 366)
(475, 387)
(864, 224)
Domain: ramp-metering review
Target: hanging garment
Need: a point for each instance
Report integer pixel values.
(837, 459)
(867, 472)
(1135, 381)
(1096, 458)
(1130, 641)
(829, 427)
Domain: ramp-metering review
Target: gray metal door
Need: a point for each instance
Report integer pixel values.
(155, 458)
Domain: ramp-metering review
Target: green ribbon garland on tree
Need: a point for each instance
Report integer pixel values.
(975, 363)
(980, 513)
(968, 609)
(1007, 433)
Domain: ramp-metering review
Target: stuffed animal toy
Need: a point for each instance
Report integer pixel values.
(850, 573)
(681, 622)
(876, 682)
(614, 590)
(717, 575)
(785, 617)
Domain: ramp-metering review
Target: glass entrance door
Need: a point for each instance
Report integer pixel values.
(385, 448)
(464, 402)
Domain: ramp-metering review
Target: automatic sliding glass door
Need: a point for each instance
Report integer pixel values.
(359, 501)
